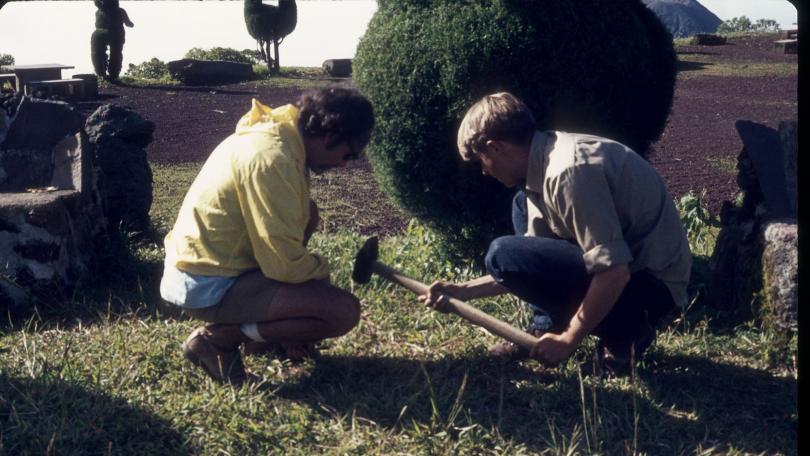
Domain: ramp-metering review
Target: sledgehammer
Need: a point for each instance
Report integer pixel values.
(365, 264)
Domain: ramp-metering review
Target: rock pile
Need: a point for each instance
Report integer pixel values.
(755, 262)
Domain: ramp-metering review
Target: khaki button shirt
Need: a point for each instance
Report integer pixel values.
(611, 202)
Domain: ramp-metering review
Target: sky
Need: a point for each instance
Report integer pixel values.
(781, 11)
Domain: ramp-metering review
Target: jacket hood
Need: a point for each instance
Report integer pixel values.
(263, 118)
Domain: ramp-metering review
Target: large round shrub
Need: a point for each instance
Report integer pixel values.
(593, 66)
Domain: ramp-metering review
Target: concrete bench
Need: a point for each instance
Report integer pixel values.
(787, 46)
(75, 87)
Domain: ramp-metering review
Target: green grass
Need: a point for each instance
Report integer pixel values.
(300, 77)
(725, 164)
(700, 64)
(104, 374)
(692, 65)
(170, 185)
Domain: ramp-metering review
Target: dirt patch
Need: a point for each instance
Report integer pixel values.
(694, 152)
(700, 140)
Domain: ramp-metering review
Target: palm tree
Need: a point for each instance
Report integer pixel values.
(270, 24)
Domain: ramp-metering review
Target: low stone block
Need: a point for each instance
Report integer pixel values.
(192, 71)
(787, 46)
(45, 241)
(338, 68)
(780, 274)
(708, 39)
(764, 147)
(90, 84)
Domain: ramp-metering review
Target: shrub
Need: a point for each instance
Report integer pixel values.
(700, 226)
(582, 65)
(744, 25)
(6, 59)
(260, 71)
(220, 53)
(152, 69)
(702, 229)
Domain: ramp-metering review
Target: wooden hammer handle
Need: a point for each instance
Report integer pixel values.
(461, 308)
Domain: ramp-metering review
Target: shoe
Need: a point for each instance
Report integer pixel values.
(512, 351)
(616, 359)
(219, 363)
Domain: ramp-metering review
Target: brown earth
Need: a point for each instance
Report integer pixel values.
(697, 150)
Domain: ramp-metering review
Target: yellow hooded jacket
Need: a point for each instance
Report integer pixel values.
(249, 205)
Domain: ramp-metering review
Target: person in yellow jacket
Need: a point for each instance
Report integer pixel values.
(237, 255)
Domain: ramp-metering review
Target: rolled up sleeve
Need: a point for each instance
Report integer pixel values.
(584, 201)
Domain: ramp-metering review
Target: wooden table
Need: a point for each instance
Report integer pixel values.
(39, 72)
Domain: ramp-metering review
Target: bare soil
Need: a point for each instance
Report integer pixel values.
(697, 150)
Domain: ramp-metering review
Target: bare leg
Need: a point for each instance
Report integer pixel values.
(293, 315)
(304, 313)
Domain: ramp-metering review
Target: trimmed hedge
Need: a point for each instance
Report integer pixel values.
(589, 66)
(224, 54)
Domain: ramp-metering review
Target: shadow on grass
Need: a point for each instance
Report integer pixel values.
(118, 283)
(683, 66)
(750, 409)
(690, 402)
(695, 52)
(51, 416)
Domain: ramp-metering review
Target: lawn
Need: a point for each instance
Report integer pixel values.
(103, 373)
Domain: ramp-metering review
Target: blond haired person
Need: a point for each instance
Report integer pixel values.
(598, 244)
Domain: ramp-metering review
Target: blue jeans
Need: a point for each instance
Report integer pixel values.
(550, 275)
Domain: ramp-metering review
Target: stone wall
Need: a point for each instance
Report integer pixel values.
(50, 210)
(755, 262)
(60, 188)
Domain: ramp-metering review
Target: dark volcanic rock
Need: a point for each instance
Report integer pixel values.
(114, 122)
(684, 17)
(338, 68)
(191, 71)
(41, 124)
(120, 136)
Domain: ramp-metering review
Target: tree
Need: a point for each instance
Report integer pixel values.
(744, 25)
(767, 26)
(582, 65)
(269, 24)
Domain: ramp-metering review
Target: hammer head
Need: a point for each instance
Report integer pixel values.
(364, 260)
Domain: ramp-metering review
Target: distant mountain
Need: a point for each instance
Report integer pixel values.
(684, 17)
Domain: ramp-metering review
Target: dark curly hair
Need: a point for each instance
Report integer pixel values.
(343, 112)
